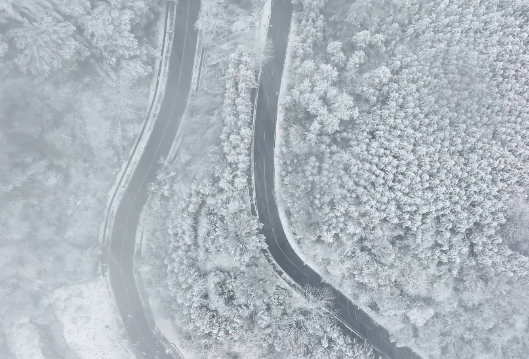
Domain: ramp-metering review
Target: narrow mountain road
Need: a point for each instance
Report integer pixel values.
(355, 321)
(119, 260)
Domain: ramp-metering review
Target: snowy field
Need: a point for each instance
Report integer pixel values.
(91, 326)
(85, 321)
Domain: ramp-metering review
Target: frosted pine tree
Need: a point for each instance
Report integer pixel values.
(46, 46)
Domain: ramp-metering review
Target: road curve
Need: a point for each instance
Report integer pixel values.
(355, 321)
(118, 258)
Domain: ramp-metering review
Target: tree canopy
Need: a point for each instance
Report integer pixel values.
(406, 148)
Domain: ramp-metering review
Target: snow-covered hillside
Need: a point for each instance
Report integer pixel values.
(404, 165)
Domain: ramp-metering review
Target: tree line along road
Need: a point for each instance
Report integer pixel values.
(118, 260)
(118, 257)
(350, 317)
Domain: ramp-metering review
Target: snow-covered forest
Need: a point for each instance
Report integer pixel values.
(75, 80)
(203, 250)
(405, 165)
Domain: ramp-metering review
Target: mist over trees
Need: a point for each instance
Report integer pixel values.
(75, 81)
(405, 165)
(45, 36)
(404, 170)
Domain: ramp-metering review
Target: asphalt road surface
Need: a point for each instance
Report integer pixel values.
(119, 260)
(357, 323)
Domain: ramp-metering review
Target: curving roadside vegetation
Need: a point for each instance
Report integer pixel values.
(404, 166)
(132, 190)
(352, 319)
(203, 250)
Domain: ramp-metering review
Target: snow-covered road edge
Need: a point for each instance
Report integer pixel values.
(157, 95)
(198, 64)
(283, 91)
(117, 191)
(261, 36)
(157, 323)
(278, 160)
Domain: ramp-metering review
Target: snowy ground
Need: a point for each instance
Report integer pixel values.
(158, 314)
(155, 312)
(91, 326)
(24, 341)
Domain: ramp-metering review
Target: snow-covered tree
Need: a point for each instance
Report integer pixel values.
(52, 34)
(411, 188)
(46, 46)
(224, 294)
(212, 20)
(335, 50)
(109, 30)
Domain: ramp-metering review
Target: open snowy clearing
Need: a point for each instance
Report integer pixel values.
(91, 326)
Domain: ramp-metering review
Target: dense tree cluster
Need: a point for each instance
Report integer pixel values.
(405, 165)
(224, 295)
(54, 34)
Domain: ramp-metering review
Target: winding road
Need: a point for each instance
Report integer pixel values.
(350, 317)
(118, 258)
